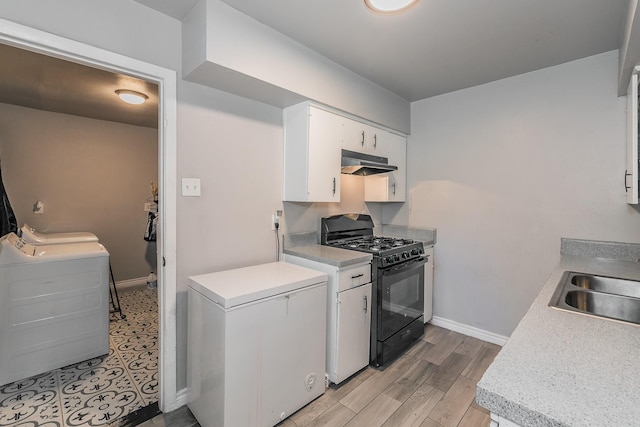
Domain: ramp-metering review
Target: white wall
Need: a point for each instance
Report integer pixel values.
(225, 49)
(503, 171)
(232, 144)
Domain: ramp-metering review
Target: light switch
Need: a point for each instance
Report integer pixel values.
(191, 187)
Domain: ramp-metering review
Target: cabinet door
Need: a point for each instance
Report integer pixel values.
(397, 186)
(389, 187)
(354, 135)
(354, 325)
(631, 174)
(360, 137)
(324, 156)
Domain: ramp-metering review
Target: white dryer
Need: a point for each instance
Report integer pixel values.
(30, 235)
(54, 306)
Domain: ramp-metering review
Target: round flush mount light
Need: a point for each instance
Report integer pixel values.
(389, 6)
(131, 96)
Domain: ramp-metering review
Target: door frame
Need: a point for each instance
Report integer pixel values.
(49, 44)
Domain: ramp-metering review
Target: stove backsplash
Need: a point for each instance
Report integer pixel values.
(426, 235)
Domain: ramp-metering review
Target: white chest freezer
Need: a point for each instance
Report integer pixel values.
(256, 343)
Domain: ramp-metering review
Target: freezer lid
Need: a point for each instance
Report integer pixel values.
(231, 288)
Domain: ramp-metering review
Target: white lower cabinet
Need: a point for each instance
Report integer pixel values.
(348, 316)
(351, 352)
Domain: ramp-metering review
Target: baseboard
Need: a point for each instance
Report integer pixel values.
(182, 397)
(132, 283)
(469, 330)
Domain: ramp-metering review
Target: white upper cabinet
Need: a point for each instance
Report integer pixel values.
(392, 186)
(312, 156)
(361, 137)
(314, 137)
(631, 174)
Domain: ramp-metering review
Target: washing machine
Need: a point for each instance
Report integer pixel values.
(30, 235)
(54, 306)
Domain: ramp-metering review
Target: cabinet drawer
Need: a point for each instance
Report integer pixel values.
(352, 277)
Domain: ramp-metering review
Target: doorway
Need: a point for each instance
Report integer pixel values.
(38, 41)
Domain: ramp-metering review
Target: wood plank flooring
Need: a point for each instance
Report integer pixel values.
(432, 385)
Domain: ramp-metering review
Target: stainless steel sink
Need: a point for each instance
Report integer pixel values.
(600, 296)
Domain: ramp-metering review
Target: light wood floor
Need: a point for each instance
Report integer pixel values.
(432, 385)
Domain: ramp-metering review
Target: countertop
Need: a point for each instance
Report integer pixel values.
(238, 286)
(329, 255)
(305, 245)
(567, 369)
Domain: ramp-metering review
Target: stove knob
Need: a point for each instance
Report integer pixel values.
(396, 257)
(388, 260)
(414, 252)
(405, 255)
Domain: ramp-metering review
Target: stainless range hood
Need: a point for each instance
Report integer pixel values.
(354, 163)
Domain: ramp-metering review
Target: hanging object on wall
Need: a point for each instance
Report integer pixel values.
(8, 222)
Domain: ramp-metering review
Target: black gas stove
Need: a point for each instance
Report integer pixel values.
(355, 232)
(397, 275)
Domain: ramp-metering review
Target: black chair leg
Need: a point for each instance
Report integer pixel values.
(115, 302)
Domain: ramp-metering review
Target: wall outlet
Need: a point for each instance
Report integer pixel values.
(275, 219)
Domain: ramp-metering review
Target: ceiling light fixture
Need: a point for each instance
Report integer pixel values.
(389, 6)
(131, 96)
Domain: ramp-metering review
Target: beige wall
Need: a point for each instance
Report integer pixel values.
(91, 175)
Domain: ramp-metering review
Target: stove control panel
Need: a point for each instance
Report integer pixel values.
(401, 255)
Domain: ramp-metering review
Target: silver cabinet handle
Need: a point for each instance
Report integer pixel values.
(394, 188)
(626, 174)
(334, 185)
(357, 275)
(366, 305)
(362, 142)
(375, 140)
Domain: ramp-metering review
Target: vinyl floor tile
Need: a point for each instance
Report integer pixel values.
(98, 391)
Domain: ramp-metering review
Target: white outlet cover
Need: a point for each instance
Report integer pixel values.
(191, 187)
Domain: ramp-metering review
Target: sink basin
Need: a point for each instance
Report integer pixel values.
(601, 296)
(610, 285)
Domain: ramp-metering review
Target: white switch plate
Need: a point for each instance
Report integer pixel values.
(191, 187)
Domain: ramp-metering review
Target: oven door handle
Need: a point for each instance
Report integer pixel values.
(409, 265)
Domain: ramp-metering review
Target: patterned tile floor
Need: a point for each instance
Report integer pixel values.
(97, 391)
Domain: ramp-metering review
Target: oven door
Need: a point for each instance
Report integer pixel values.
(401, 297)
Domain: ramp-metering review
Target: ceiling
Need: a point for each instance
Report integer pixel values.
(438, 46)
(435, 47)
(46, 83)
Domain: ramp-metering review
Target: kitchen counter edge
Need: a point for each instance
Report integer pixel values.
(329, 255)
(566, 369)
